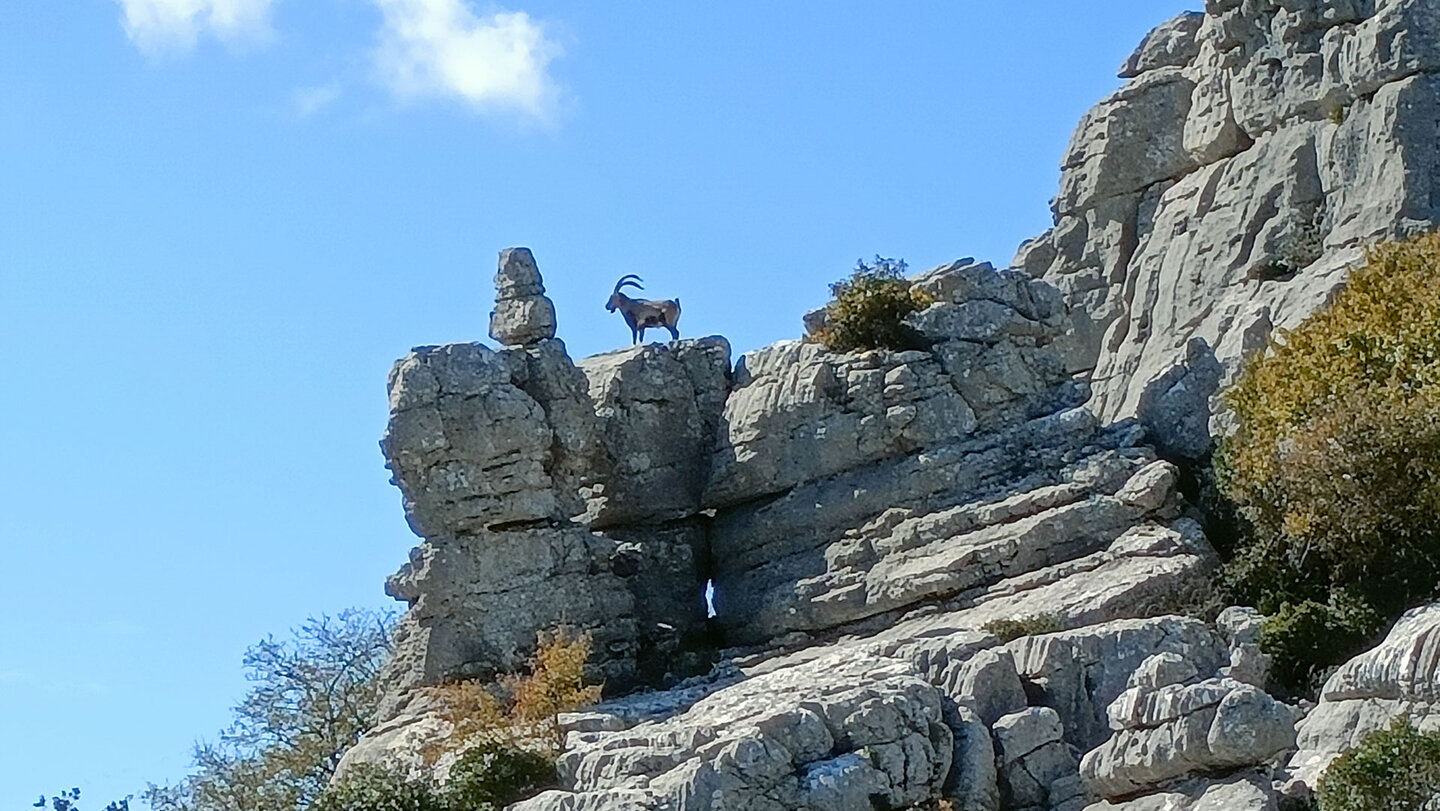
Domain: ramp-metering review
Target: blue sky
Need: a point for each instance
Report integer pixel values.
(222, 220)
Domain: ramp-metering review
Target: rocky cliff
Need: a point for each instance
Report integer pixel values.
(1226, 188)
(872, 523)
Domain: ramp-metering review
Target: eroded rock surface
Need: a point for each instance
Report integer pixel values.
(1227, 188)
(850, 733)
(1399, 677)
(878, 507)
(1177, 730)
(867, 517)
(1250, 792)
(550, 494)
(523, 313)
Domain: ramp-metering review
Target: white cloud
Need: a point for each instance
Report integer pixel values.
(161, 26)
(442, 48)
(310, 100)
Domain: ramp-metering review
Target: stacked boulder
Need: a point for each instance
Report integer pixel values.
(1228, 186)
(1170, 724)
(523, 314)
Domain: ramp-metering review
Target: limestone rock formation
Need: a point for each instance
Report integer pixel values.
(1247, 792)
(1401, 676)
(1182, 729)
(843, 732)
(528, 479)
(1035, 764)
(523, 313)
(657, 410)
(873, 511)
(1226, 189)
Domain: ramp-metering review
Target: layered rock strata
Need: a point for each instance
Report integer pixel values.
(881, 506)
(1398, 678)
(849, 733)
(1228, 186)
(551, 494)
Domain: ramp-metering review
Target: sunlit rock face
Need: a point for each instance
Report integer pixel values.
(873, 522)
(877, 508)
(551, 494)
(1229, 186)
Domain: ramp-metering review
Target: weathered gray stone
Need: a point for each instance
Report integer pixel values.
(1128, 142)
(831, 734)
(1249, 664)
(508, 463)
(1172, 44)
(972, 784)
(478, 600)
(1246, 792)
(1178, 730)
(1399, 677)
(1033, 760)
(1229, 192)
(1175, 407)
(799, 412)
(523, 313)
(988, 685)
(658, 409)
(1160, 670)
(454, 478)
(861, 546)
(1082, 671)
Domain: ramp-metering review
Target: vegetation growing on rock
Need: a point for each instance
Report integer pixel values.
(1392, 770)
(523, 710)
(507, 736)
(488, 777)
(868, 309)
(1008, 630)
(1335, 464)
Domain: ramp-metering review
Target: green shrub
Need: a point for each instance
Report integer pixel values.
(1392, 770)
(487, 777)
(372, 788)
(1008, 630)
(1334, 466)
(1303, 638)
(311, 697)
(494, 775)
(868, 310)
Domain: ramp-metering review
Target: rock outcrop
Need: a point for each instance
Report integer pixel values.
(872, 523)
(549, 493)
(1400, 677)
(1169, 726)
(842, 732)
(1226, 189)
(880, 508)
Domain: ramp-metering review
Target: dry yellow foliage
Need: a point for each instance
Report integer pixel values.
(523, 710)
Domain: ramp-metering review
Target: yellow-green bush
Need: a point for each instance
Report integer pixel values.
(1335, 463)
(868, 309)
(1392, 770)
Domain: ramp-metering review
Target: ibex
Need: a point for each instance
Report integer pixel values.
(642, 314)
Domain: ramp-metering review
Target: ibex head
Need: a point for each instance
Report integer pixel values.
(617, 298)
